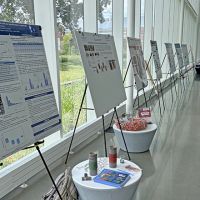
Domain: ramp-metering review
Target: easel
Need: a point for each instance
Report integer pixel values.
(104, 133)
(174, 81)
(36, 145)
(137, 97)
(157, 85)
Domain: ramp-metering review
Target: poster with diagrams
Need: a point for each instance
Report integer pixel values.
(156, 59)
(186, 61)
(28, 110)
(102, 70)
(170, 55)
(137, 60)
(179, 55)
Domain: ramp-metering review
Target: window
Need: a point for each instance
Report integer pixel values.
(105, 16)
(69, 18)
(19, 11)
(124, 65)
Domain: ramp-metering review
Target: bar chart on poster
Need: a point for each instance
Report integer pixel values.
(102, 70)
(28, 110)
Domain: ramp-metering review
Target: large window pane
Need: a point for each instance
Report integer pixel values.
(124, 64)
(20, 11)
(142, 22)
(105, 16)
(69, 18)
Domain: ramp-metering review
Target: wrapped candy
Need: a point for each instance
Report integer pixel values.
(132, 124)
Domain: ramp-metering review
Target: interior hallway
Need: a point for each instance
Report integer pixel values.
(170, 168)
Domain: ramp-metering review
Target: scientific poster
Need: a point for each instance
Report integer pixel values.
(156, 58)
(102, 70)
(179, 55)
(186, 61)
(28, 110)
(170, 55)
(137, 60)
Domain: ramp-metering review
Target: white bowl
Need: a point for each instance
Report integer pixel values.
(136, 141)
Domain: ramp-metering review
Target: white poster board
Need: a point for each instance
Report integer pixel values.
(102, 70)
(186, 61)
(156, 58)
(137, 61)
(179, 55)
(170, 55)
(28, 110)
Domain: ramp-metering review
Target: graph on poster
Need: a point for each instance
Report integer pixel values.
(28, 110)
(38, 81)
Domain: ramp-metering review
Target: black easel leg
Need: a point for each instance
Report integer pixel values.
(145, 97)
(111, 119)
(159, 101)
(184, 84)
(49, 173)
(104, 135)
(161, 91)
(135, 99)
(122, 133)
(175, 85)
(79, 112)
(171, 88)
(138, 99)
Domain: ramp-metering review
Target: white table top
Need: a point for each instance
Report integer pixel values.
(150, 127)
(83, 167)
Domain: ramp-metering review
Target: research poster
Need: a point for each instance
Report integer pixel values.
(137, 61)
(102, 70)
(28, 110)
(179, 55)
(186, 61)
(156, 59)
(170, 55)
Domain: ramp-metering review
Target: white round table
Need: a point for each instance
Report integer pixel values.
(90, 190)
(136, 141)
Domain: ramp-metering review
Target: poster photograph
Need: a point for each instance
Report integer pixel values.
(137, 61)
(102, 70)
(28, 110)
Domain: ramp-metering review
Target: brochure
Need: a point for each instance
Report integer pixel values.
(112, 177)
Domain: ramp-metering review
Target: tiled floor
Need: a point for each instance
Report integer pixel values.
(171, 167)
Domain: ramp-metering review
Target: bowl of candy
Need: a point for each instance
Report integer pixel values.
(138, 133)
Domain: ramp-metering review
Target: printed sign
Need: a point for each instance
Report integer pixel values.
(156, 58)
(185, 55)
(102, 70)
(28, 110)
(137, 60)
(179, 55)
(170, 55)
